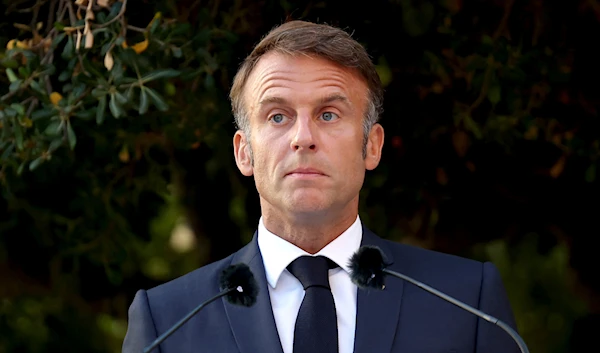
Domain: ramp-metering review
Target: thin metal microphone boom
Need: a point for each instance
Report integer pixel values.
(236, 283)
(466, 307)
(168, 333)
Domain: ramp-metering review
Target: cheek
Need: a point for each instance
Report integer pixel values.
(265, 160)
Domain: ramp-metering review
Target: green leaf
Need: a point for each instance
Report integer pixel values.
(47, 69)
(53, 129)
(71, 136)
(105, 48)
(78, 90)
(10, 112)
(494, 94)
(144, 103)
(115, 109)
(36, 87)
(157, 100)
(55, 144)
(18, 134)
(101, 110)
(42, 113)
(163, 73)
(12, 77)
(129, 80)
(24, 72)
(33, 60)
(114, 10)
(86, 114)
(99, 92)
(155, 25)
(15, 85)
(5, 128)
(10, 63)
(87, 65)
(20, 169)
(129, 94)
(65, 75)
(101, 17)
(59, 38)
(7, 152)
(35, 163)
(19, 108)
(117, 71)
(121, 98)
(69, 48)
(72, 63)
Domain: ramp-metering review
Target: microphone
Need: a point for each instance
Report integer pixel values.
(368, 269)
(236, 284)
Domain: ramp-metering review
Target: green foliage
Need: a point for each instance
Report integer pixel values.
(62, 80)
(544, 319)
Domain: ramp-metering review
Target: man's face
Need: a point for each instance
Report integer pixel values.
(306, 135)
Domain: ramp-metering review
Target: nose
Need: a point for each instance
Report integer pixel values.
(304, 134)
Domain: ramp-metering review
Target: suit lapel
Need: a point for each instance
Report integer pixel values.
(254, 327)
(378, 311)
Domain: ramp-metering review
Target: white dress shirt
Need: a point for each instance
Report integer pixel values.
(286, 292)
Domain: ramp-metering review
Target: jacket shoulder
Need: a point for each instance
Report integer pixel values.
(192, 287)
(426, 255)
(436, 267)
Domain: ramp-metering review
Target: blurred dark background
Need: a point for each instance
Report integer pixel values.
(491, 152)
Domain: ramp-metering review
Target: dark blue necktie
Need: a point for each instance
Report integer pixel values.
(316, 325)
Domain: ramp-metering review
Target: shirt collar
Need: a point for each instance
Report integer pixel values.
(278, 253)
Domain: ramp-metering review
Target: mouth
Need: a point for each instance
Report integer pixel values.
(305, 173)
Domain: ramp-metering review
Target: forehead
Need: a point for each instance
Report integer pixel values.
(302, 76)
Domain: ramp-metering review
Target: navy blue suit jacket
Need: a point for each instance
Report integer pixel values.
(401, 318)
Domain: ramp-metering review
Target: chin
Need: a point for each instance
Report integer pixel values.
(307, 203)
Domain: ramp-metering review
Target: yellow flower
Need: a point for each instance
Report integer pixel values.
(16, 43)
(55, 97)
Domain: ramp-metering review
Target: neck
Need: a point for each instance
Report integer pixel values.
(310, 235)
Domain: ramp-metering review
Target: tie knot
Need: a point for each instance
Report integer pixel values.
(312, 271)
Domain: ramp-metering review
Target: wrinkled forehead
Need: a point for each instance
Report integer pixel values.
(275, 73)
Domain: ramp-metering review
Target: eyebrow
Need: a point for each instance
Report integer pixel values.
(271, 100)
(325, 100)
(336, 97)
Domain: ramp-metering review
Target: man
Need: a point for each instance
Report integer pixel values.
(307, 101)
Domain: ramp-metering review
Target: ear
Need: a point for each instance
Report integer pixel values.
(374, 147)
(243, 155)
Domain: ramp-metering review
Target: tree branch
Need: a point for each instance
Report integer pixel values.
(51, 13)
(32, 106)
(136, 29)
(119, 15)
(72, 16)
(36, 11)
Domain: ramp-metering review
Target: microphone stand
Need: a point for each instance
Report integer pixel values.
(162, 337)
(466, 307)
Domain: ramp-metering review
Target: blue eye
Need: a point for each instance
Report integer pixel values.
(277, 118)
(329, 116)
